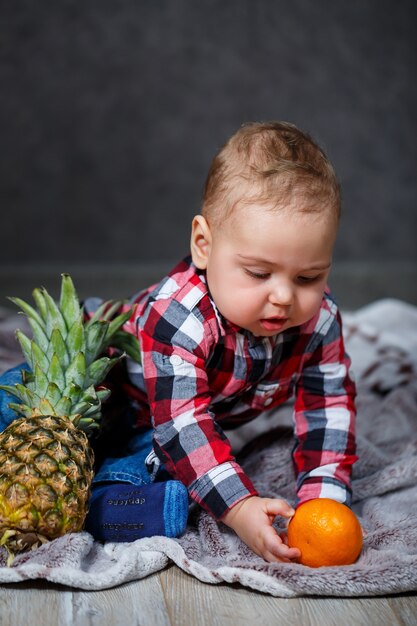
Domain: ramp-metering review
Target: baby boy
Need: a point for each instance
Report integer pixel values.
(240, 326)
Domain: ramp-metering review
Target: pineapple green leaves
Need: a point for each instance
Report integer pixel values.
(65, 356)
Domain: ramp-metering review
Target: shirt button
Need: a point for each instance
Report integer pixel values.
(268, 401)
(175, 359)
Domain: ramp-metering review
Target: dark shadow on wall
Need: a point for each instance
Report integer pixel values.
(111, 112)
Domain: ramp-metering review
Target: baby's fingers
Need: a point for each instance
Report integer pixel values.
(276, 506)
(272, 558)
(286, 552)
(278, 550)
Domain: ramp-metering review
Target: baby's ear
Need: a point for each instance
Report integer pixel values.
(200, 242)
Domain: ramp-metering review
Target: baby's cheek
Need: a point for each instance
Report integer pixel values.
(309, 303)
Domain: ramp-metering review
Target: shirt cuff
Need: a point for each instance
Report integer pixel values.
(334, 490)
(221, 488)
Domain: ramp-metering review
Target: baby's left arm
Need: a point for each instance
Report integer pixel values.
(325, 419)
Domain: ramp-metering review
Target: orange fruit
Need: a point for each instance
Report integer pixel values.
(326, 532)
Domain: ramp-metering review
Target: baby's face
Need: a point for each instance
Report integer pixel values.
(267, 270)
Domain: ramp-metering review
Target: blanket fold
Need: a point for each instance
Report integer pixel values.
(382, 341)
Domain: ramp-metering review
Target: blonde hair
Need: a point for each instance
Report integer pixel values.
(270, 162)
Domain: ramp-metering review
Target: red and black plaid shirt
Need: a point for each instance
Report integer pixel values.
(200, 375)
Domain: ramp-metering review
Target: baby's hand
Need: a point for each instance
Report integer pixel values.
(252, 520)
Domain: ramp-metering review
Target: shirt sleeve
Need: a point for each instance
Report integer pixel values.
(187, 439)
(324, 417)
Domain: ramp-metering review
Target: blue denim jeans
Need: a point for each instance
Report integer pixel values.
(128, 466)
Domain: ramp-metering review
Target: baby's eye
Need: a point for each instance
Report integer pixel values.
(308, 279)
(257, 275)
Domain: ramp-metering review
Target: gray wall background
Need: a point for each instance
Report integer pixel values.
(111, 111)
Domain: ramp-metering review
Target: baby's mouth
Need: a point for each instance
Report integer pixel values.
(273, 323)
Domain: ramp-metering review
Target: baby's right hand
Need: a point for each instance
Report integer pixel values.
(252, 520)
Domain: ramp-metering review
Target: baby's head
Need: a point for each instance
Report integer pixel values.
(268, 225)
(270, 163)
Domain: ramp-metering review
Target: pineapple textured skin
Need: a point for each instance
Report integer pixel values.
(46, 471)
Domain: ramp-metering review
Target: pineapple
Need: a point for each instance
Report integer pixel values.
(46, 461)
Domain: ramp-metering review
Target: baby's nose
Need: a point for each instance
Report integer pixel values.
(281, 294)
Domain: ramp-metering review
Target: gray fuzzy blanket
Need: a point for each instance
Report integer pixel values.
(382, 341)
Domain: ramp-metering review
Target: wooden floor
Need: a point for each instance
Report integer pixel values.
(172, 598)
